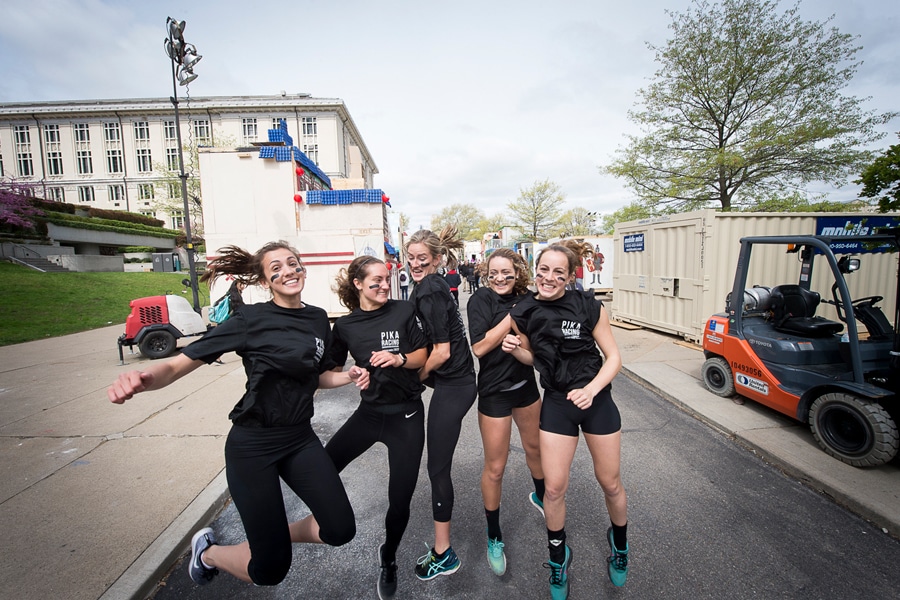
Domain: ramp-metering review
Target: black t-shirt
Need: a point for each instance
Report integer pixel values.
(283, 349)
(393, 328)
(498, 371)
(561, 336)
(439, 318)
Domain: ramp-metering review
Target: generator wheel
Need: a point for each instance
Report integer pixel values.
(718, 377)
(158, 344)
(855, 431)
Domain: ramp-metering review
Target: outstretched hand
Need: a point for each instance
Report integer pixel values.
(127, 385)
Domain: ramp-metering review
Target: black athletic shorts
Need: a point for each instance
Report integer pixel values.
(501, 404)
(559, 415)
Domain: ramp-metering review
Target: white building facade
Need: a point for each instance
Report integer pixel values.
(123, 154)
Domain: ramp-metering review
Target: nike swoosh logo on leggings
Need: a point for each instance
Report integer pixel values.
(411, 414)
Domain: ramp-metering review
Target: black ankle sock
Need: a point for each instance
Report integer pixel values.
(556, 543)
(620, 535)
(539, 488)
(493, 523)
(388, 554)
(439, 555)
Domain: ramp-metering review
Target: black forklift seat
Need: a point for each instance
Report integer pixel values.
(794, 311)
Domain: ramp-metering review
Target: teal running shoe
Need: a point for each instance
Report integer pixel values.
(617, 563)
(559, 577)
(496, 557)
(429, 566)
(536, 502)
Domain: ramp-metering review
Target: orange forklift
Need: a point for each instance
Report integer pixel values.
(769, 346)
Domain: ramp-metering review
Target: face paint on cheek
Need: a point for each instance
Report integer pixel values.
(299, 269)
(561, 279)
(274, 277)
(374, 286)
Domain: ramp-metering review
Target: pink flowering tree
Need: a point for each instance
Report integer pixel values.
(16, 208)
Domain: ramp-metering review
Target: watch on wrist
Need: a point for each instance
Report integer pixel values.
(402, 357)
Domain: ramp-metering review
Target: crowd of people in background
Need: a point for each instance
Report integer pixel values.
(518, 325)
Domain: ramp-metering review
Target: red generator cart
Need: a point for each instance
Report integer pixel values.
(156, 322)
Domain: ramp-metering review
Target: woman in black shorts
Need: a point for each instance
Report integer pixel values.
(558, 331)
(507, 391)
(383, 337)
(285, 346)
(450, 370)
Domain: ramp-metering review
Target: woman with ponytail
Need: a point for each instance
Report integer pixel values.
(383, 337)
(285, 347)
(558, 330)
(450, 371)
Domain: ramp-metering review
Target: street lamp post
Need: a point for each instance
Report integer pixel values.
(184, 56)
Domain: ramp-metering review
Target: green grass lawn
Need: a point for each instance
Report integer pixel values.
(36, 305)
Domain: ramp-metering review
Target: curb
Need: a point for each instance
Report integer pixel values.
(141, 578)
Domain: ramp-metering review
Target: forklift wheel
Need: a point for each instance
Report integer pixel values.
(157, 344)
(855, 431)
(718, 377)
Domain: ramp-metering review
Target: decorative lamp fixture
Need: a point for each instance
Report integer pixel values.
(183, 56)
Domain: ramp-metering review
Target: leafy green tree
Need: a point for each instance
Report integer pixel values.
(576, 222)
(404, 222)
(746, 103)
(465, 216)
(492, 223)
(538, 209)
(883, 177)
(798, 202)
(632, 212)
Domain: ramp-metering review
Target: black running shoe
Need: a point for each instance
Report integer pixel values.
(387, 581)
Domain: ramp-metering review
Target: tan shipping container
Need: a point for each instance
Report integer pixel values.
(685, 267)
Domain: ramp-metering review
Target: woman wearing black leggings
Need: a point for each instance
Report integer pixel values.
(383, 337)
(285, 346)
(450, 370)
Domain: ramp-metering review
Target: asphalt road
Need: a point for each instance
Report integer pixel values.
(707, 519)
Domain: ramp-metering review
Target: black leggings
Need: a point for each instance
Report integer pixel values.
(449, 404)
(403, 433)
(256, 460)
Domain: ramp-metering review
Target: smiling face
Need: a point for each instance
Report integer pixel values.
(552, 275)
(375, 287)
(501, 275)
(284, 276)
(421, 261)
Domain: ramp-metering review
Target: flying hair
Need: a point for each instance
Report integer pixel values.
(343, 282)
(440, 244)
(574, 251)
(241, 265)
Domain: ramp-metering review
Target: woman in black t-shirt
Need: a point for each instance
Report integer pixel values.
(383, 337)
(507, 391)
(285, 346)
(450, 370)
(558, 331)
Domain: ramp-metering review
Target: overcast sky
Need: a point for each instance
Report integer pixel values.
(458, 101)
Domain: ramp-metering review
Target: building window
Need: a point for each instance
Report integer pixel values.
(169, 132)
(172, 159)
(144, 160)
(115, 159)
(309, 126)
(85, 193)
(83, 162)
(202, 133)
(174, 190)
(116, 192)
(53, 149)
(177, 217)
(147, 213)
(115, 162)
(23, 151)
(82, 132)
(56, 194)
(141, 130)
(312, 151)
(248, 127)
(145, 191)
(112, 132)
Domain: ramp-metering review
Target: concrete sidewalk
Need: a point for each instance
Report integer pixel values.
(98, 500)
